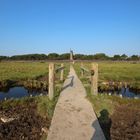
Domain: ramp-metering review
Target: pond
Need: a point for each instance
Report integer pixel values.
(18, 92)
(126, 93)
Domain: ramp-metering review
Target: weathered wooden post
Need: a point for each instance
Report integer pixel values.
(82, 71)
(71, 55)
(94, 79)
(51, 80)
(62, 73)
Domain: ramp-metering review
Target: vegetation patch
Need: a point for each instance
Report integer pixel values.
(31, 117)
(113, 75)
(118, 117)
(31, 75)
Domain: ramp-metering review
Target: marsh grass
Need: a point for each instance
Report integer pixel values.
(114, 71)
(107, 107)
(28, 74)
(22, 70)
(104, 101)
(45, 106)
(115, 113)
(31, 70)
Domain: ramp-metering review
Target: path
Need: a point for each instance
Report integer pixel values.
(74, 118)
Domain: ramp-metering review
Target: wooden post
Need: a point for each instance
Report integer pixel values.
(94, 79)
(82, 71)
(62, 73)
(71, 55)
(125, 85)
(51, 81)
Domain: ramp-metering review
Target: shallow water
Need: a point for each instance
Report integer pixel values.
(126, 93)
(17, 92)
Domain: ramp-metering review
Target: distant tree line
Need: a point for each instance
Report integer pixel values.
(66, 56)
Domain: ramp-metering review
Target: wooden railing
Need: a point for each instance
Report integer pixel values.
(93, 76)
(52, 72)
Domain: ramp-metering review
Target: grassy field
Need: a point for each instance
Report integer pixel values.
(105, 106)
(22, 70)
(25, 70)
(115, 71)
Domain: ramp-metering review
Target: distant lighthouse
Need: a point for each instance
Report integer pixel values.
(71, 55)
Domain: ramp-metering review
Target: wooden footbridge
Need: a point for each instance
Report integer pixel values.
(74, 117)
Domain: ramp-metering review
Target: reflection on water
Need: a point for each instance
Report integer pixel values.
(126, 93)
(18, 92)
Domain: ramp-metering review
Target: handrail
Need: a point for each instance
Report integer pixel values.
(94, 77)
(84, 69)
(59, 69)
(52, 72)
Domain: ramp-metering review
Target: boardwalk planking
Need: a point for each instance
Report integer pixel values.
(74, 118)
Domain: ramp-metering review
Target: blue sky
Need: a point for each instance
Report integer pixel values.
(86, 26)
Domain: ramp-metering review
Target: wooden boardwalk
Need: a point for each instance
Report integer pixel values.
(74, 117)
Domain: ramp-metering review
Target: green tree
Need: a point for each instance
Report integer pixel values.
(117, 57)
(100, 56)
(135, 57)
(53, 56)
(124, 57)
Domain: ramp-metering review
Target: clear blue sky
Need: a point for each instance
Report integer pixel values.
(86, 26)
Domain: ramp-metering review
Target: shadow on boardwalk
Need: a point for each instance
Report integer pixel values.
(105, 123)
(94, 125)
(69, 84)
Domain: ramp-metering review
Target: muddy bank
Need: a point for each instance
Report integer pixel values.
(26, 123)
(124, 124)
(114, 87)
(6, 84)
(35, 85)
(41, 84)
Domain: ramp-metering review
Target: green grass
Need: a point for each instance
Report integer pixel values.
(26, 70)
(109, 103)
(115, 71)
(22, 70)
(45, 106)
(31, 70)
(106, 108)
(119, 71)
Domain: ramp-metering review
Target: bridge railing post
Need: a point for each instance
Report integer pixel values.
(82, 71)
(62, 73)
(94, 79)
(51, 80)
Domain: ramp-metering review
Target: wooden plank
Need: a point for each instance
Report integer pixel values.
(94, 79)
